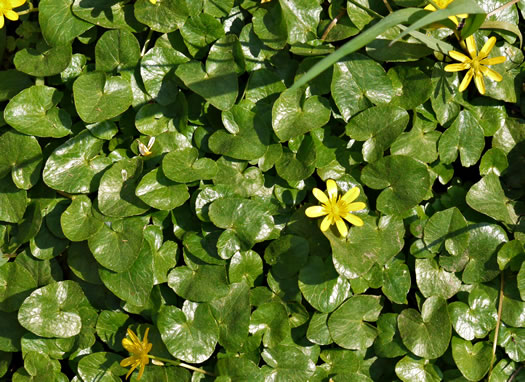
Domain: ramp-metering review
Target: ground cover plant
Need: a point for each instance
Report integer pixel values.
(275, 190)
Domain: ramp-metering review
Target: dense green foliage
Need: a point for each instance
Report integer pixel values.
(200, 234)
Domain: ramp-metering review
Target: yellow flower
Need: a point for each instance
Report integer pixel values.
(138, 350)
(6, 9)
(336, 208)
(153, 2)
(442, 4)
(476, 64)
(265, 1)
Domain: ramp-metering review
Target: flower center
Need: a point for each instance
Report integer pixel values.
(475, 64)
(336, 207)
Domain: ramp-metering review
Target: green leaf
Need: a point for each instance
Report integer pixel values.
(245, 266)
(405, 182)
(377, 241)
(297, 165)
(396, 281)
(13, 201)
(287, 255)
(109, 14)
(232, 313)
(16, 283)
(134, 284)
(413, 87)
(447, 229)
(111, 328)
(116, 197)
(247, 138)
(185, 166)
(101, 367)
(318, 329)
(444, 94)
(190, 334)
(427, 334)
(432, 280)
(464, 136)
(239, 368)
(513, 340)
(358, 83)
(271, 320)
(24, 165)
(12, 82)
(164, 16)
(293, 116)
(199, 31)
(412, 369)
(388, 342)
(321, 285)
(43, 61)
(10, 333)
(476, 319)
(485, 240)
(269, 25)
(76, 165)
(117, 243)
(117, 50)
(352, 317)
(379, 126)
(218, 89)
(201, 283)
(55, 310)
(472, 360)
(59, 25)
(249, 219)
(493, 161)
(78, 221)
(34, 111)
(159, 192)
(487, 197)
(287, 363)
(99, 97)
(156, 71)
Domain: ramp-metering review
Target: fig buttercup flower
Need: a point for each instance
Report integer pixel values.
(153, 2)
(6, 10)
(139, 352)
(442, 4)
(336, 208)
(265, 1)
(476, 64)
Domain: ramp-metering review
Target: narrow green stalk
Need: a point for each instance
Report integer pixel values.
(31, 9)
(146, 43)
(181, 364)
(498, 323)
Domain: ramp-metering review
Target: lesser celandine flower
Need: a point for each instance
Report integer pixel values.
(336, 208)
(139, 352)
(6, 9)
(476, 64)
(442, 4)
(153, 2)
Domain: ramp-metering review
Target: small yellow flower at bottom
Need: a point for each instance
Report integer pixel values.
(336, 208)
(153, 2)
(6, 9)
(265, 1)
(139, 352)
(476, 64)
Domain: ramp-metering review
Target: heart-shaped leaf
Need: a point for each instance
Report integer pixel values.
(99, 97)
(472, 360)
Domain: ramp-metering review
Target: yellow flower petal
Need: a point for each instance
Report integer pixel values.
(341, 227)
(16, 3)
(480, 84)
(492, 74)
(357, 206)
(430, 7)
(326, 223)
(153, 2)
(466, 80)
(315, 211)
(320, 195)
(131, 370)
(484, 52)
(456, 67)
(458, 56)
(141, 371)
(331, 188)
(11, 15)
(128, 361)
(351, 195)
(471, 46)
(355, 220)
(1, 21)
(493, 60)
